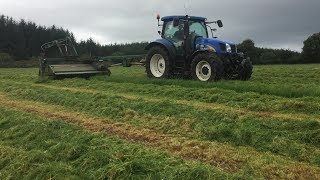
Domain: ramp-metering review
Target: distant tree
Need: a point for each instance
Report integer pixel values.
(248, 47)
(247, 44)
(5, 58)
(287, 56)
(22, 40)
(117, 54)
(269, 57)
(311, 49)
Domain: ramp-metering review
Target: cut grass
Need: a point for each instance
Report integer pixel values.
(35, 148)
(206, 92)
(240, 160)
(249, 100)
(275, 113)
(279, 80)
(297, 139)
(196, 104)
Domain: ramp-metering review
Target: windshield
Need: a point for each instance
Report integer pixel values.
(176, 32)
(199, 28)
(170, 30)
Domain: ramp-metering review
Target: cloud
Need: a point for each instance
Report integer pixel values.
(272, 23)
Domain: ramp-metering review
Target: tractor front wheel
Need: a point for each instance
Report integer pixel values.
(158, 63)
(245, 70)
(207, 67)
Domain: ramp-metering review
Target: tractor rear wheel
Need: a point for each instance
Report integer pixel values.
(158, 63)
(207, 67)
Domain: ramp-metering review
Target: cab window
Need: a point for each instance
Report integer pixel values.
(173, 32)
(198, 28)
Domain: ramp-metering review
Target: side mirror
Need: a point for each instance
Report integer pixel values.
(219, 22)
(176, 22)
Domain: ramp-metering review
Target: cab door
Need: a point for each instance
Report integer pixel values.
(175, 34)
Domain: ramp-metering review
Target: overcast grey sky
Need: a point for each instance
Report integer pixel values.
(270, 23)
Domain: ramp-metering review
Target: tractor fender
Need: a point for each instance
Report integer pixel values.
(200, 51)
(165, 44)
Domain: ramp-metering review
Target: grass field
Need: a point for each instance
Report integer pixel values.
(131, 127)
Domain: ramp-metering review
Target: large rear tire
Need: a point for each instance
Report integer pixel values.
(158, 63)
(207, 66)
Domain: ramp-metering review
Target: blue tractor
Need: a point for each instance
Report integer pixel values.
(186, 50)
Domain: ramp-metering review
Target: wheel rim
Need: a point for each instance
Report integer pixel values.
(157, 65)
(203, 71)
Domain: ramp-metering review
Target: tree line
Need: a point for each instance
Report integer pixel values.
(310, 53)
(92, 48)
(268, 56)
(21, 40)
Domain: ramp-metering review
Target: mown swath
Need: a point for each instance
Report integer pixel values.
(196, 104)
(220, 155)
(195, 123)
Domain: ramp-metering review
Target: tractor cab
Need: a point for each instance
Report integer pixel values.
(176, 31)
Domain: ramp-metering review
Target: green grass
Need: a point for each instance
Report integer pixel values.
(34, 148)
(300, 139)
(129, 97)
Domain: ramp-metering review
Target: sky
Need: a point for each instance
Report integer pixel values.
(270, 23)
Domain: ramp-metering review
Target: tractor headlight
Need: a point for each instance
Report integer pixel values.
(228, 48)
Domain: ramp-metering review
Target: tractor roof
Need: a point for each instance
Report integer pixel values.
(169, 18)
